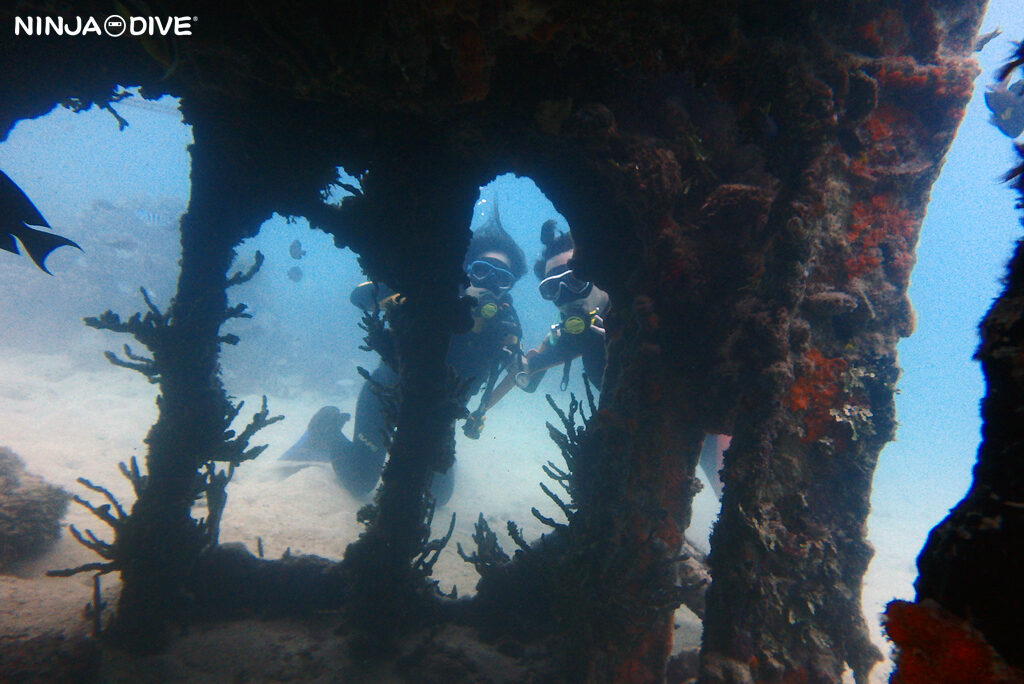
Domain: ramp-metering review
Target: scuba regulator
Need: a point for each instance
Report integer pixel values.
(577, 322)
(487, 306)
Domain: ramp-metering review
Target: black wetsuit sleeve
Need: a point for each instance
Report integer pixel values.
(554, 350)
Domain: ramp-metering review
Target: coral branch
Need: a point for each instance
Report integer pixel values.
(240, 277)
(550, 522)
(236, 450)
(121, 515)
(517, 535)
(489, 554)
(567, 509)
(425, 561)
(101, 568)
(133, 475)
(101, 512)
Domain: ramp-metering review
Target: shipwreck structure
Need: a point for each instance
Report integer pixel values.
(745, 179)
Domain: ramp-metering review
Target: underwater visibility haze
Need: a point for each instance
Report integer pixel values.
(120, 195)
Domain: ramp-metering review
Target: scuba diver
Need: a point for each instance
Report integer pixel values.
(580, 333)
(494, 262)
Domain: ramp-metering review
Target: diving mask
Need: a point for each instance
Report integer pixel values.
(486, 273)
(554, 285)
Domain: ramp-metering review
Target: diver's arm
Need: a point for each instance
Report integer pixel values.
(526, 372)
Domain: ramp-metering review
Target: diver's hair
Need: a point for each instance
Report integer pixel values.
(554, 243)
(491, 237)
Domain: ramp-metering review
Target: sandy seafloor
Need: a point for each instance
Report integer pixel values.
(68, 417)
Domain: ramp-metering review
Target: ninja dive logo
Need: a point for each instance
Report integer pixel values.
(114, 26)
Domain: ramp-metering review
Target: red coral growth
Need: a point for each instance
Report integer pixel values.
(884, 122)
(656, 171)
(889, 131)
(472, 63)
(816, 391)
(907, 78)
(937, 647)
(877, 129)
(881, 221)
(904, 74)
(885, 34)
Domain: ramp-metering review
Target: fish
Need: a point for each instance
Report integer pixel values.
(17, 217)
(323, 439)
(1007, 106)
(981, 41)
(295, 274)
(296, 250)
(153, 218)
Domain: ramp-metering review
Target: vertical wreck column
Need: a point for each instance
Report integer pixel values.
(788, 552)
(410, 228)
(633, 469)
(817, 346)
(160, 541)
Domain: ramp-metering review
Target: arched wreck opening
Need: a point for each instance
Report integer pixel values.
(746, 188)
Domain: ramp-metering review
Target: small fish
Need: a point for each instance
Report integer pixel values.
(1007, 106)
(296, 250)
(17, 216)
(295, 274)
(153, 218)
(981, 41)
(125, 244)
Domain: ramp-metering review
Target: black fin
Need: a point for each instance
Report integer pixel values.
(17, 215)
(39, 244)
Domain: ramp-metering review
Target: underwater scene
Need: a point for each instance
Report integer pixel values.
(314, 407)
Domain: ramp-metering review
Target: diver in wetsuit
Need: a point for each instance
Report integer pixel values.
(580, 333)
(493, 264)
(581, 306)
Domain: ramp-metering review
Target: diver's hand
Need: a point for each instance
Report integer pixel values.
(597, 323)
(474, 425)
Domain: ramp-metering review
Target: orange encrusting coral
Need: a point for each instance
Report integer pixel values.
(908, 78)
(937, 647)
(815, 392)
(875, 224)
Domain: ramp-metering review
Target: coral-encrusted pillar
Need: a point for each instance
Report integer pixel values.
(158, 544)
(817, 377)
(647, 445)
(421, 198)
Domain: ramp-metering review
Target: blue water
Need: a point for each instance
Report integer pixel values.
(966, 239)
(304, 336)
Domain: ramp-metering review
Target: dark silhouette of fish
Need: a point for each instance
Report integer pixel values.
(296, 250)
(322, 439)
(1007, 106)
(17, 216)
